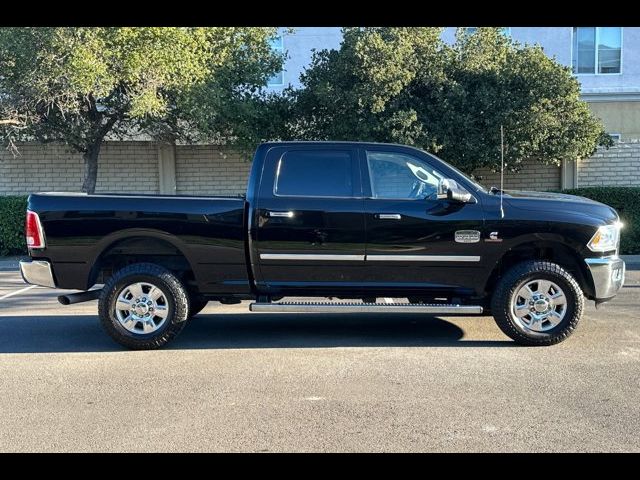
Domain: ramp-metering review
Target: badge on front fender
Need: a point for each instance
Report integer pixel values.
(467, 236)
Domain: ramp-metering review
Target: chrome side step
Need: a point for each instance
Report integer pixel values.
(335, 307)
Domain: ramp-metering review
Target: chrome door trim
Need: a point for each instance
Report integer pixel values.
(311, 256)
(423, 258)
(375, 258)
(389, 216)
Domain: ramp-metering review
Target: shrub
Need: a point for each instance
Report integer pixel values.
(12, 214)
(626, 200)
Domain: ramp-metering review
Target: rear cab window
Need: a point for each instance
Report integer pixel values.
(315, 173)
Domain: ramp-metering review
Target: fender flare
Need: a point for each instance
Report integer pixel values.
(110, 240)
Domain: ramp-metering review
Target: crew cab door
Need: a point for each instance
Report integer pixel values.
(310, 220)
(416, 241)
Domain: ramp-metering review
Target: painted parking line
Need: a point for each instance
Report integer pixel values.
(18, 292)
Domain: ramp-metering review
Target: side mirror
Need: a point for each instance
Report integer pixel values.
(450, 190)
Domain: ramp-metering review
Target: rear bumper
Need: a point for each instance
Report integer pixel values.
(37, 272)
(607, 275)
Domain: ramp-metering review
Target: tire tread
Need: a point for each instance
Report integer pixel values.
(177, 319)
(500, 302)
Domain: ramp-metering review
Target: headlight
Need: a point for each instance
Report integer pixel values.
(606, 238)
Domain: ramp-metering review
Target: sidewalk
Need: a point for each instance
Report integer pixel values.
(11, 263)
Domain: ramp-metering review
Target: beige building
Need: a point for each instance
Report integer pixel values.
(621, 118)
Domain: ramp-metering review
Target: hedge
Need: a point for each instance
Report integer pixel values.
(12, 214)
(626, 200)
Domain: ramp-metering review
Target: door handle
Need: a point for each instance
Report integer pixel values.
(389, 216)
(288, 214)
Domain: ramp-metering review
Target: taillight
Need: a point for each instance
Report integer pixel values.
(33, 231)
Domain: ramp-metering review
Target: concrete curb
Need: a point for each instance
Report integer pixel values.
(9, 264)
(631, 259)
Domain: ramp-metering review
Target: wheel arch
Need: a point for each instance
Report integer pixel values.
(552, 250)
(140, 245)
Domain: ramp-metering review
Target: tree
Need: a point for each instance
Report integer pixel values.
(80, 85)
(406, 85)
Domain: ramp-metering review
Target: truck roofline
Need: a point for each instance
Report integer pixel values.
(338, 142)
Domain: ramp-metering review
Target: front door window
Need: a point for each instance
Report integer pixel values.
(399, 176)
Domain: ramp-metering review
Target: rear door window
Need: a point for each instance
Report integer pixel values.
(315, 173)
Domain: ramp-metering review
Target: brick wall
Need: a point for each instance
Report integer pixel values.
(618, 166)
(127, 167)
(123, 167)
(132, 167)
(210, 170)
(532, 176)
(39, 168)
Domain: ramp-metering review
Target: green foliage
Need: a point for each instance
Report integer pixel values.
(78, 84)
(12, 215)
(361, 92)
(626, 201)
(406, 85)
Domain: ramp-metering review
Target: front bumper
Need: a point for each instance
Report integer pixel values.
(37, 272)
(608, 276)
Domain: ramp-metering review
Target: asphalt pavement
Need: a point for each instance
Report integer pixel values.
(240, 381)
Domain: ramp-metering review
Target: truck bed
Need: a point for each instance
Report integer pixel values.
(207, 230)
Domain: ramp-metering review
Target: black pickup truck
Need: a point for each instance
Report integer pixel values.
(355, 222)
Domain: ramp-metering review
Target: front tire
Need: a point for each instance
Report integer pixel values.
(143, 306)
(537, 303)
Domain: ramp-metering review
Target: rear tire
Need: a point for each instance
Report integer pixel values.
(143, 306)
(537, 303)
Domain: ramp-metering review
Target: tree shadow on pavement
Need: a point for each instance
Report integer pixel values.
(82, 333)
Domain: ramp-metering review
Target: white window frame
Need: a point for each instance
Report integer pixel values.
(615, 136)
(279, 49)
(596, 54)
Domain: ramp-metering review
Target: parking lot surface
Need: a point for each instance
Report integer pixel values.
(239, 381)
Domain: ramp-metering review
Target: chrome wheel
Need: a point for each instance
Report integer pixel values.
(538, 305)
(142, 308)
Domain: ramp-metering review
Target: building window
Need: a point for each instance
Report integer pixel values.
(615, 137)
(278, 79)
(597, 50)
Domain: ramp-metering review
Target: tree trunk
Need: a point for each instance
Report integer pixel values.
(91, 167)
